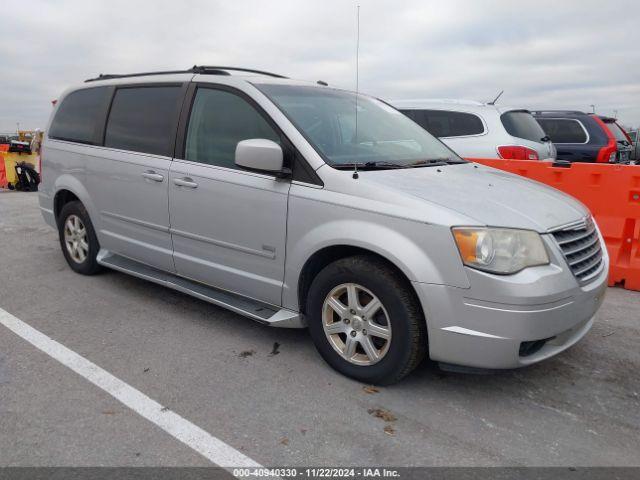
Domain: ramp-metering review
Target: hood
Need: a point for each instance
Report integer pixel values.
(490, 196)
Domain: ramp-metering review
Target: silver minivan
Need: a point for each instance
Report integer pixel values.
(300, 205)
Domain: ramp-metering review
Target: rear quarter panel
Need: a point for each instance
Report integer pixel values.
(478, 146)
(64, 168)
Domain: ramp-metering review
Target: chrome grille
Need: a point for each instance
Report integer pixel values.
(582, 249)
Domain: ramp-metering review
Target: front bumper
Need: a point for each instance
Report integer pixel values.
(485, 325)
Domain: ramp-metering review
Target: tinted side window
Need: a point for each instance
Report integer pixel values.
(413, 115)
(521, 124)
(441, 123)
(563, 130)
(79, 114)
(617, 131)
(143, 119)
(218, 121)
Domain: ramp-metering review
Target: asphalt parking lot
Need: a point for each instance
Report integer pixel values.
(267, 393)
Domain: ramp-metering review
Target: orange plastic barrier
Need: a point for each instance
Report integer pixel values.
(611, 192)
(3, 173)
(4, 147)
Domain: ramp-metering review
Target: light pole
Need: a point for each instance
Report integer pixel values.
(593, 108)
(615, 114)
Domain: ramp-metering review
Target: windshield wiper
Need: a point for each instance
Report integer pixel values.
(434, 162)
(368, 165)
(383, 165)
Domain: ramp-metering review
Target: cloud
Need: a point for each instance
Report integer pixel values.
(544, 54)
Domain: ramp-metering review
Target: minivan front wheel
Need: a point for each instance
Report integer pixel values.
(365, 320)
(78, 239)
(356, 324)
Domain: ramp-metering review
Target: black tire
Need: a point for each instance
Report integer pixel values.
(89, 266)
(408, 345)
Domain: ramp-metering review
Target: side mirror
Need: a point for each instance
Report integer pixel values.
(259, 154)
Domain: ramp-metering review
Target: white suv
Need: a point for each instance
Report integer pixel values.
(481, 130)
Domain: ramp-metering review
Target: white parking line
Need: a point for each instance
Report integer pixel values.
(191, 435)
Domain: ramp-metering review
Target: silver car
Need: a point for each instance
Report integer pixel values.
(481, 130)
(635, 142)
(300, 205)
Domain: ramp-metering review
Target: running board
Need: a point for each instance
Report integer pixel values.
(253, 309)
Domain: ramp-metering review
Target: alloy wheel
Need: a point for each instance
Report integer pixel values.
(75, 239)
(356, 324)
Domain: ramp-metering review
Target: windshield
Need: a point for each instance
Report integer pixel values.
(378, 136)
(521, 124)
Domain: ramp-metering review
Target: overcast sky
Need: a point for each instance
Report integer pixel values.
(544, 54)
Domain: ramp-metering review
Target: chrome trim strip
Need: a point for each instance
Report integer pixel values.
(591, 276)
(305, 184)
(146, 245)
(135, 221)
(220, 243)
(523, 310)
(583, 247)
(466, 331)
(589, 266)
(220, 168)
(584, 258)
(576, 224)
(576, 238)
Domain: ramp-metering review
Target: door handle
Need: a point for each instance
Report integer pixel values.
(151, 175)
(185, 182)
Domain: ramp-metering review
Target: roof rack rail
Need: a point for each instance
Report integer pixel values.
(110, 76)
(196, 69)
(223, 70)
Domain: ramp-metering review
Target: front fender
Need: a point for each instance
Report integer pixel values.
(424, 253)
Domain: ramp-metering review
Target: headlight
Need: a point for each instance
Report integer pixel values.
(500, 250)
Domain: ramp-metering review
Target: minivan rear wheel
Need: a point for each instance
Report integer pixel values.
(365, 320)
(78, 239)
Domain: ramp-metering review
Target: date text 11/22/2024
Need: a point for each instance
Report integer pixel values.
(320, 472)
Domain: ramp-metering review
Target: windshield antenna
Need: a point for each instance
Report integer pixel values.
(496, 99)
(355, 164)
